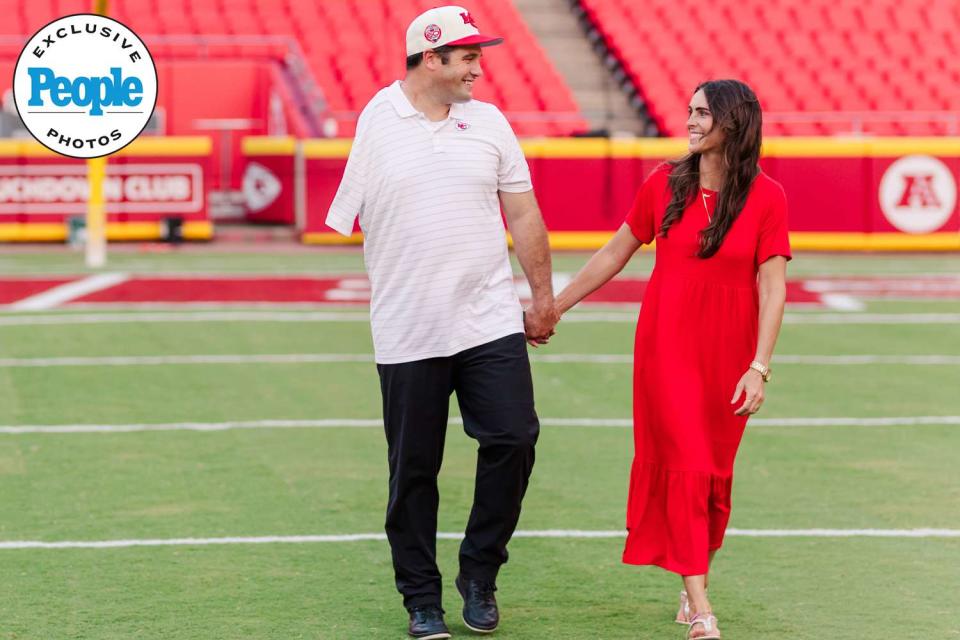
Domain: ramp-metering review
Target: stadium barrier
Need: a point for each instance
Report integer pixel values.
(155, 188)
(844, 193)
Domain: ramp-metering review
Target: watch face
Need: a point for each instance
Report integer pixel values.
(768, 375)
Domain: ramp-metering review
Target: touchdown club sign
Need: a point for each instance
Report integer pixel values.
(59, 189)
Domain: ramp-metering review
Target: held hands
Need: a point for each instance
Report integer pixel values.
(539, 321)
(751, 385)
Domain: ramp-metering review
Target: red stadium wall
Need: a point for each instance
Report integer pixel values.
(199, 96)
(196, 96)
(844, 194)
(148, 181)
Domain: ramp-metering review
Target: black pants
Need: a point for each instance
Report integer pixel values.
(495, 393)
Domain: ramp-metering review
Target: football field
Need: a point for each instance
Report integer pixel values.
(198, 471)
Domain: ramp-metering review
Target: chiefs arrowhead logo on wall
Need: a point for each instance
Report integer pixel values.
(260, 187)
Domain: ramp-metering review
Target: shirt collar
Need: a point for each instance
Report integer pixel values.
(404, 109)
(458, 110)
(399, 101)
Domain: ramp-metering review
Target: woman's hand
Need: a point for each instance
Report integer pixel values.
(751, 384)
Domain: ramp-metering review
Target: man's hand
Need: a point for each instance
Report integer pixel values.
(539, 321)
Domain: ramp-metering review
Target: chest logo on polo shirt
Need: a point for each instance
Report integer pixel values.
(463, 126)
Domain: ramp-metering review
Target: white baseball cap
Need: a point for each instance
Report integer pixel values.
(446, 26)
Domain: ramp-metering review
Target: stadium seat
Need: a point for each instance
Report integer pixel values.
(825, 55)
(36, 14)
(523, 80)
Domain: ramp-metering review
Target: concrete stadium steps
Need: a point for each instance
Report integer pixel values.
(603, 102)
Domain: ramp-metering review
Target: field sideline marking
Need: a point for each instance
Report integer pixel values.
(56, 296)
(332, 358)
(364, 423)
(546, 534)
(311, 314)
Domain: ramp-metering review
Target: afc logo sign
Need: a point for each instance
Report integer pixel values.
(918, 190)
(918, 194)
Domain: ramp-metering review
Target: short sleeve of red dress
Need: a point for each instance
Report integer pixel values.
(774, 239)
(648, 205)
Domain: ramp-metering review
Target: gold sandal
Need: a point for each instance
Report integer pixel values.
(709, 623)
(683, 613)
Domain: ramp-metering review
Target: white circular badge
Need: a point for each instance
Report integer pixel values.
(918, 194)
(85, 86)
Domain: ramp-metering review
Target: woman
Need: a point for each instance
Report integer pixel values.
(710, 318)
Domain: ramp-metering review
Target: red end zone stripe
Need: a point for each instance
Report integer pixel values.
(13, 290)
(355, 289)
(233, 290)
(331, 290)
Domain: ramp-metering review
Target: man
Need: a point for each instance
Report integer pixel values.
(429, 171)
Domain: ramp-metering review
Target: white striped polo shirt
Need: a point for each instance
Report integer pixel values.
(434, 242)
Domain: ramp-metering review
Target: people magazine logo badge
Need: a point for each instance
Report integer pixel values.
(85, 86)
(918, 194)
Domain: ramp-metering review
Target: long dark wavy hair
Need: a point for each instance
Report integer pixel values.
(736, 111)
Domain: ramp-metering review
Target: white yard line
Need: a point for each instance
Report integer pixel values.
(333, 358)
(203, 312)
(185, 316)
(366, 423)
(871, 318)
(936, 359)
(150, 361)
(563, 534)
(842, 302)
(56, 296)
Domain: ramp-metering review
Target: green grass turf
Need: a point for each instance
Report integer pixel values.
(223, 392)
(315, 481)
(264, 391)
(299, 481)
(913, 306)
(333, 481)
(319, 260)
(160, 338)
(569, 590)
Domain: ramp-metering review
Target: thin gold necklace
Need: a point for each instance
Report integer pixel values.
(704, 196)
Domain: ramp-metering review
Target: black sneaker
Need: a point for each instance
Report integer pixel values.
(480, 611)
(426, 623)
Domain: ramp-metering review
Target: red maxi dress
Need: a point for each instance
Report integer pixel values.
(696, 336)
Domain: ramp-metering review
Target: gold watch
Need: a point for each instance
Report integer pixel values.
(762, 369)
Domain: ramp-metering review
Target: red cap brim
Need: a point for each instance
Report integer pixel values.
(478, 40)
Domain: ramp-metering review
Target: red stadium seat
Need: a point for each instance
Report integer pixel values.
(522, 79)
(36, 14)
(15, 24)
(824, 55)
(67, 7)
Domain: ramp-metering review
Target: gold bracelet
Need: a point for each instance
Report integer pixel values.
(762, 369)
